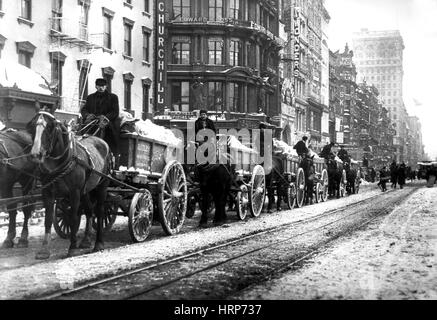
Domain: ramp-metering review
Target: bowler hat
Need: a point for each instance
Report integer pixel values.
(101, 82)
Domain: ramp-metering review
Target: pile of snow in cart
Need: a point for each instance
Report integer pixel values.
(148, 129)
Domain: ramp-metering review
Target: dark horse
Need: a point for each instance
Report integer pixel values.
(275, 181)
(69, 169)
(351, 178)
(307, 164)
(15, 166)
(214, 181)
(335, 176)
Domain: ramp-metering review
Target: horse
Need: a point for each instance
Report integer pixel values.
(351, 177)
(307, 164)
(335, 175)
(275, 181)
(70, 169)
(15, 166)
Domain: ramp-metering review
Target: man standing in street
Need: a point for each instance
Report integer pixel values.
(103, 106)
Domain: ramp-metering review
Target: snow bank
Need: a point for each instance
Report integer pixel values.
(14, 74)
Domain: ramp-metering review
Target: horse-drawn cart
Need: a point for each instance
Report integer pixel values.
(150, 185)
(248, 186)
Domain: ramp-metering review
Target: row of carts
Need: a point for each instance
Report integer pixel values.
(157, 189)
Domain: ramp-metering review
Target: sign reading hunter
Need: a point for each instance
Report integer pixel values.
(296, 43)
(160, 74)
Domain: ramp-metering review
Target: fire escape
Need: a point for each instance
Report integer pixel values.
(66, 33)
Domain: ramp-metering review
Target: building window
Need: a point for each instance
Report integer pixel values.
(128, 79)
(147, 6)
(26, 9)
(146, 97)
(108, 75)
(24, 58)
(57, 15)
(234, 51)
(128, 25)
(181, 53)
(83, 20)
(57, 60)
(234, 97)
(234, 9)
(146, 44)
(25, 52)
(215, 10)
(180, 96)
(181, 8)
(215, 96)
(107, 30)
(251, 55)
(215, 51)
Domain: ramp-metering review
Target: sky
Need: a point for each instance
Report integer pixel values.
(417, 22)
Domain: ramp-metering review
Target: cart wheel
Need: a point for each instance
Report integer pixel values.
(300, 187)
(172, 202)
(325, 186)
(291, 196)
(242, 201)
(191, 204)
(60, 223)
(140, 216)
(257, 191)
(318, 192)
(110, 213)
(342, 185)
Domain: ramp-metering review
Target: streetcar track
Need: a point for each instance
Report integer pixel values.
(89, 285)
(61, 256)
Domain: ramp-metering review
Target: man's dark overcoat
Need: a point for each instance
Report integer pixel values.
(106, 104)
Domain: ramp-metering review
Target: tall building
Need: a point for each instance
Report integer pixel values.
(73, 42)
(222, 56)
(307, 48)
(379, 60)
(417, 153)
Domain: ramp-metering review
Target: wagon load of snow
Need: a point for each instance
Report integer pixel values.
(15, 75)
(145, 145)
(242, 156)
(282, 148)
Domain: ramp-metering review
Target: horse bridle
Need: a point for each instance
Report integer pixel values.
(55, 134)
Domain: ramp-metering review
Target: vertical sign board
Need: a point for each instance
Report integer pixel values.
(160, 62)
(296, 56)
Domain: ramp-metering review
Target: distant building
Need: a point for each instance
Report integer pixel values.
(379, 61)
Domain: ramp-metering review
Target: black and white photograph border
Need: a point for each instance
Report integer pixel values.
(233, 154)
